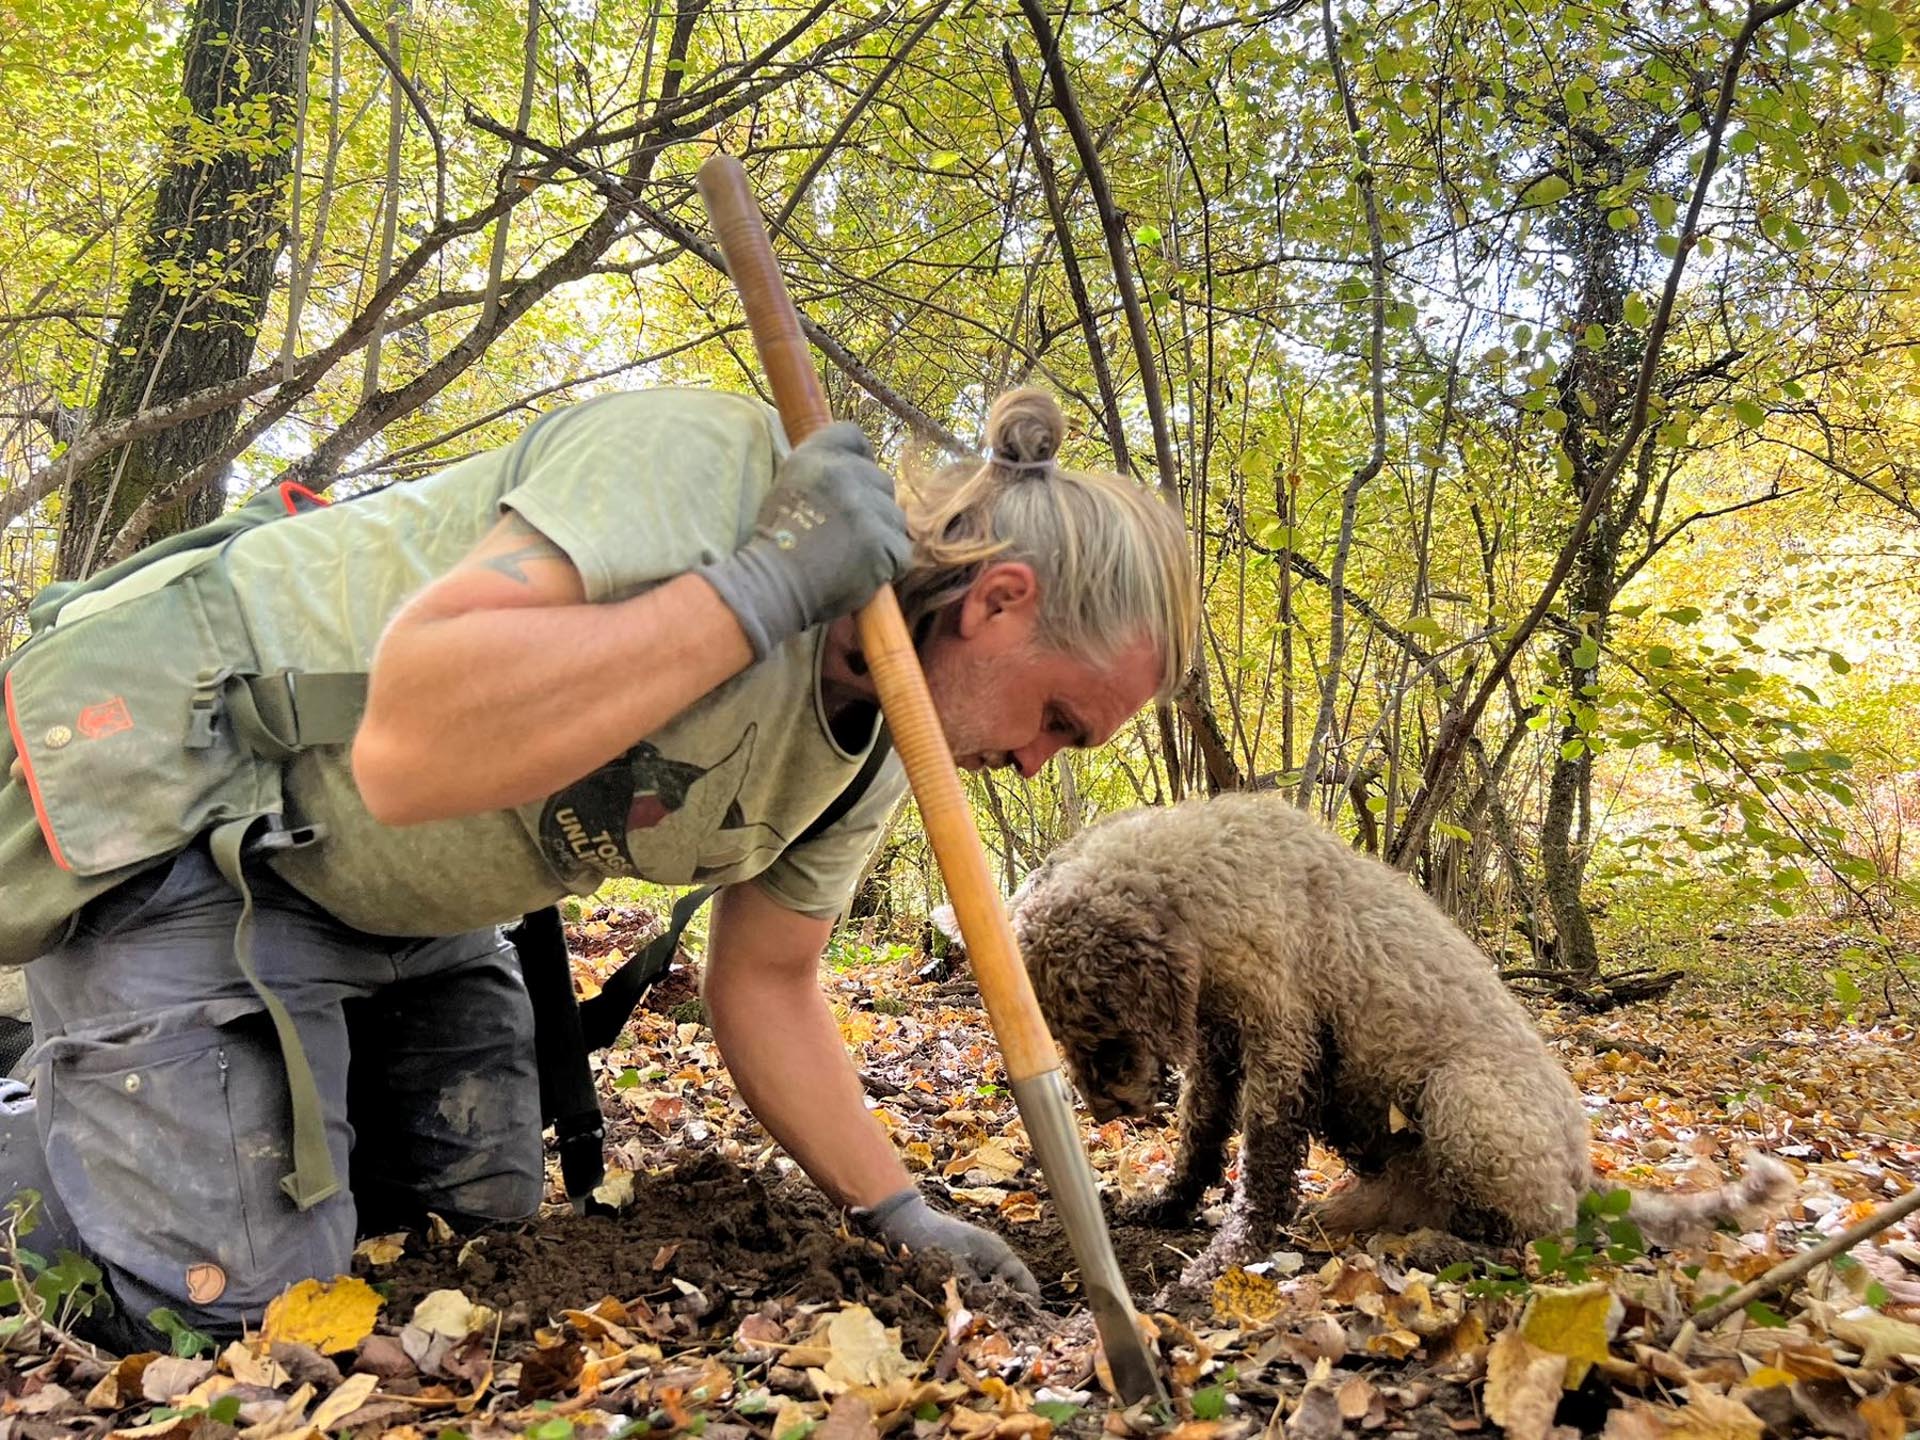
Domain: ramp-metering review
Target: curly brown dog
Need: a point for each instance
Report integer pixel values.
(1305, 989)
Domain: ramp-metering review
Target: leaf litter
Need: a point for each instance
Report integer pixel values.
(727, 1299)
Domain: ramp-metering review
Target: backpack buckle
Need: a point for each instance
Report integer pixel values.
(206, 706)
(276, 837)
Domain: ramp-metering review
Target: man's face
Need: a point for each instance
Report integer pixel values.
(1006, 699)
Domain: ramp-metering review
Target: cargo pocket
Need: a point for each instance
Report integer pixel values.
(168, 1149)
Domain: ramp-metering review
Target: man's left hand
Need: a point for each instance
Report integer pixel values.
(907, 1220)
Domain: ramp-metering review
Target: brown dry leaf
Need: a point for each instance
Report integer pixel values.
(849, 1418)
(993, 1157)
(330, 1315)
(985, 1196)
(349, 1397)
(381, 1249)
(1195, 1430)
(1466, 1342)
(1321, 1338)
(1707, 1415)
(1396, 1344)
(1245, 1298)
(1316, 1414)
(547, 1370)
(1523, 1386)
(290, 1415)
(1885, 1415)
(1576, 1321)
(1355, 1396)
(167, 1377)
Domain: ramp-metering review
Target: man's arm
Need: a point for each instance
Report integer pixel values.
(785, 1053)
(499, 683)
(784, 1050)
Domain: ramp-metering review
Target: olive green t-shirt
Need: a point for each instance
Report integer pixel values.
(634, 488)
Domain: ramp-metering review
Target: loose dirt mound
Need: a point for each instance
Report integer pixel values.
(736, 1237)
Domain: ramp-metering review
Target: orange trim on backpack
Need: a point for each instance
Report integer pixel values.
(292, 490)
(33, 782)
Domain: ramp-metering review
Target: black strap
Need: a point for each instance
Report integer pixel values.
(567, 1099)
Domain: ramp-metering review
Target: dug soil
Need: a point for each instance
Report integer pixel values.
(711, 1242)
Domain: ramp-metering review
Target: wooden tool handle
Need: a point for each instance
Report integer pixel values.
(1025, 1044)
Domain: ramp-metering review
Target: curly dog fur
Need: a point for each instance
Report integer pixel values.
(1305, 989)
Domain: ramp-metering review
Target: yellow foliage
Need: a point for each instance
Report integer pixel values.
(330, 1315)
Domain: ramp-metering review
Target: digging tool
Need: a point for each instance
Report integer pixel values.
(1026, 1046)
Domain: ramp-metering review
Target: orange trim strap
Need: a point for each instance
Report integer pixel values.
(33, 782)
(294, 496)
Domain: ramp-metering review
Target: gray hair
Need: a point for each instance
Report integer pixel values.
(1110, 555)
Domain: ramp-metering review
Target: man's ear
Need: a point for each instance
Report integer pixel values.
(1006, 588)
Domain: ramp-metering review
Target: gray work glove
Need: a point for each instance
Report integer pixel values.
(906, 1220)
(828, 536)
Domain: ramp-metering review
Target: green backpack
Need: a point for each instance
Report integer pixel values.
(146, 669)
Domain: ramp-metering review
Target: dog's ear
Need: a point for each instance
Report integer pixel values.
(1153, 974)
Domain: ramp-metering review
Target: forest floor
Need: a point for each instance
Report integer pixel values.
(726, 1299)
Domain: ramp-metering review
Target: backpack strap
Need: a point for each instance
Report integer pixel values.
(312, 1178)
(278, 715)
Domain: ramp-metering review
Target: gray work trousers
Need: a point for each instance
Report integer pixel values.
(161, 1126)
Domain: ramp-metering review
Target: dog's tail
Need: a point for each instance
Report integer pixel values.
(1668, 1218)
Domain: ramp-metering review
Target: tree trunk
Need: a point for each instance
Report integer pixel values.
(193, 310)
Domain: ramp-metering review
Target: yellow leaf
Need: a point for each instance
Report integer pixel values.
(1396, 1119)
(1245, 1298)
(1768, 1376)
(1523, 1386)
(330, 1315)
(864, 1352)
(348, 1397)
(1574, 1321)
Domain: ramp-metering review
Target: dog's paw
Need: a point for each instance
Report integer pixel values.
(1158, 1211)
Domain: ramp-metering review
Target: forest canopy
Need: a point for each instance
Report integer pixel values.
(1540, 383)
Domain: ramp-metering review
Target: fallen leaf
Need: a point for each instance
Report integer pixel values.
(1879, 1338)
(1316, 1414)
(547, 1370)
(1575, 1321)
(251, 1368)
(1885, 1415)
(451, 1313)
(330, 1315)
(167, 1377)
(1523, 1386)
(616, 1191)
(850, 1418)
(381, 1249)
(349, 1397)
(1248, 1299)
(791, 1421)
(864, 1352)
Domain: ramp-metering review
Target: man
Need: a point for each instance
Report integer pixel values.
(621, 645)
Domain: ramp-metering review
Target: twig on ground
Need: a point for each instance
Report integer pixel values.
(1792, 1268)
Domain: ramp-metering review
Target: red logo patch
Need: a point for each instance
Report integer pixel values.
(109, 717)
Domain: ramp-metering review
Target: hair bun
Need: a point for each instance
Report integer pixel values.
(1024, 428)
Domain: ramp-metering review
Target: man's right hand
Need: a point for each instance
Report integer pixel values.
(829, 535)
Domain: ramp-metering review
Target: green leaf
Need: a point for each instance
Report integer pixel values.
(1838, 663)
(1210, 1403)
(1636, 312)
(1147, 235)
(1060, 1412)
(1683, 615)
(627, 1079)
(942, 159)
(1546, 190)
(1586, 654)
(187, 1341)
(1750, 413)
